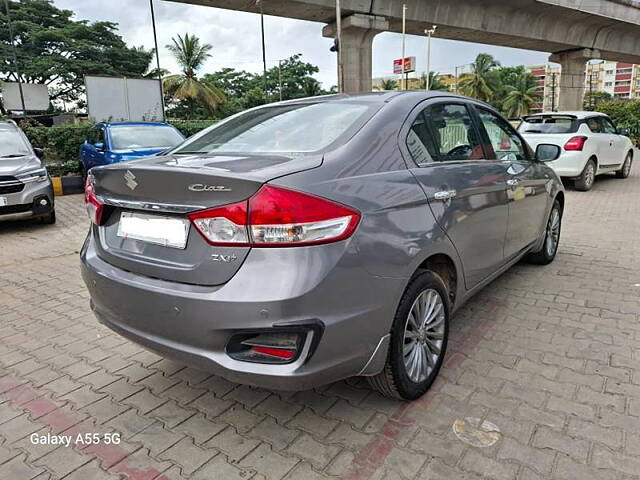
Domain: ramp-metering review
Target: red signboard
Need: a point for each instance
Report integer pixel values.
(409, 65)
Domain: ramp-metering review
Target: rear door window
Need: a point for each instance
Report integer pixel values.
(595, 125)
(444, 132)
(607, 126)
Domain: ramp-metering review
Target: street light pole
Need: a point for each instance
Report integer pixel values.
(339, 52)
(15, 57)
(264, 53)
(429, 33)
(155, 41)
(403, 83)
(280, 77)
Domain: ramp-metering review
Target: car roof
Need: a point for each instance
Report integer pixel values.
(579, 114)
(8, 125)
(379, 97)
(131, 124)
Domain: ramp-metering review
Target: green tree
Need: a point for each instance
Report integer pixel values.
(57, 51)
(435, 82)
(311, 87)
(593, 99)
(191, 55)
(484, 80)
(388, 84)
(521, 95)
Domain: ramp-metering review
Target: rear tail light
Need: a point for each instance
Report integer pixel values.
(273, 347)
(575, 143)
(277, 217)
(95, 208)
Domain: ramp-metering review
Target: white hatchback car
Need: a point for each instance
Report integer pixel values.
(590, 144)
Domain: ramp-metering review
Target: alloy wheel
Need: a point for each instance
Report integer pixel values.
(553, 232)
(626, 169)
(589, 175)
(424, 335)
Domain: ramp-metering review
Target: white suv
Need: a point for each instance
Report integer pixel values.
(590, 144)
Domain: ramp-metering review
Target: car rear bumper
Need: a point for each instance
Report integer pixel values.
(34, 200)
(193, 324)
(570, 164)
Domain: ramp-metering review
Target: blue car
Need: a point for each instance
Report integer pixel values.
(108, 143)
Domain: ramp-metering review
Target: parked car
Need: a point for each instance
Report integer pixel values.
(299, 243)
(590, 142)
(25, 186)
(108, 143)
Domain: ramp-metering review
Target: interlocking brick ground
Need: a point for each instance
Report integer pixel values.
(549, 354)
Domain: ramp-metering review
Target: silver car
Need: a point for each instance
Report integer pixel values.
(303, 242)
(25, 186)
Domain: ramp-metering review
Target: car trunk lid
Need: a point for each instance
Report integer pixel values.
(169, 187)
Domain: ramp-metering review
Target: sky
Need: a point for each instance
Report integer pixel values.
(235, 37)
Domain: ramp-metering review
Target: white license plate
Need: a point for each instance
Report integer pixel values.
(166, 231)
(3, 201)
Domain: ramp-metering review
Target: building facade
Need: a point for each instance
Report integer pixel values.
(620, 80)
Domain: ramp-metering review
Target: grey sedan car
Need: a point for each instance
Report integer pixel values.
(303, 242)
(25, 186)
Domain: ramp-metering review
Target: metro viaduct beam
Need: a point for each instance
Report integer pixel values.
(609, 29)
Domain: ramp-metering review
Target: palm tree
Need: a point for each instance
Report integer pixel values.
(483, 81)
(311, 87)
(388, 84)
(435, 82)
(191, 55)
(521, 96)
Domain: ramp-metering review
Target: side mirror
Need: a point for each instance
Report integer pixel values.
(39, 153)
(546, 152)
(624, 131)
(99, 146)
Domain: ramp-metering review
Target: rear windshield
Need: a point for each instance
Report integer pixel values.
(12, 144)
(295, 128)
(144, 136)
(548, 125)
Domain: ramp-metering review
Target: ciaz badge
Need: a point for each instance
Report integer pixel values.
(201, 187)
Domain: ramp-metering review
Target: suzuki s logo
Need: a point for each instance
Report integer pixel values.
(218, 257)
(201, 187)
(130, 180)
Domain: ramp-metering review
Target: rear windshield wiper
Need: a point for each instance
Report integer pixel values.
(13, 155)
(533, 131)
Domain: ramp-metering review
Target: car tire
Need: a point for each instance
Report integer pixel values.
(416, 354)
(587, 178)
(49, 219)
(552, 231)
(625, 171)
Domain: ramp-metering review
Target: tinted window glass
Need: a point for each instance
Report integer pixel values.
(296, 128)
(144, 136)
(505, 142)
(607, 125)
(444, 132)
(594, 124)
(12, 143)
(548, 125)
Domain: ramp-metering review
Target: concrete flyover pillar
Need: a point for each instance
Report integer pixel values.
(357, 35)
(572, 77)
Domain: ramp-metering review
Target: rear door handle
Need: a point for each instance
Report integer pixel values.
(513, 182)
(445, 195)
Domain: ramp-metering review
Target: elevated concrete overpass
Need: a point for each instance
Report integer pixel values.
(573, 31)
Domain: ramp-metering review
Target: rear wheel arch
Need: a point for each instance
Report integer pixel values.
(560, 198)
(442, 265)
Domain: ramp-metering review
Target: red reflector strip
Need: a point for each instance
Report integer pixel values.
(274, 352)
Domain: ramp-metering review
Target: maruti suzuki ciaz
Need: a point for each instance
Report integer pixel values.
(303, 242)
